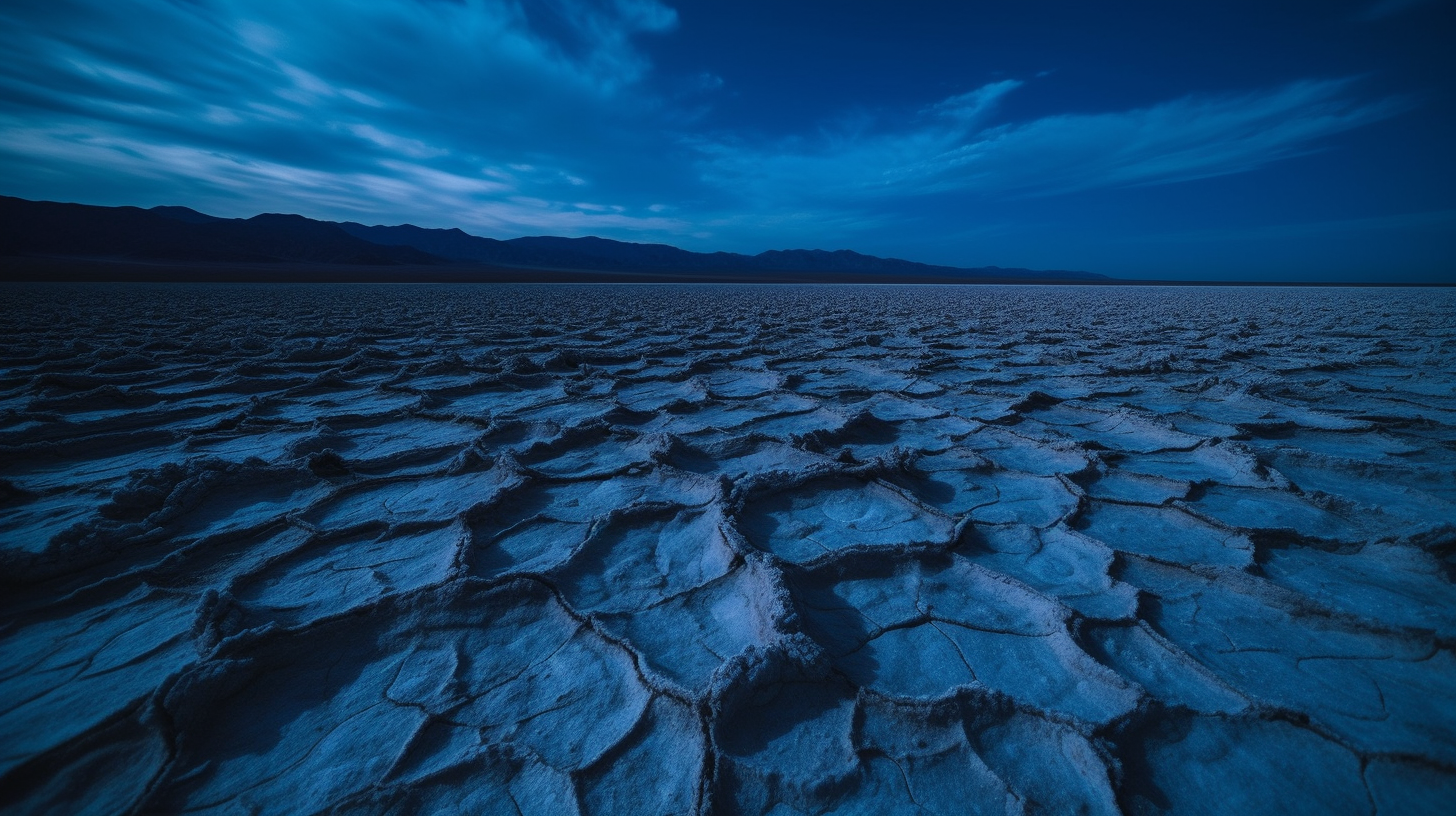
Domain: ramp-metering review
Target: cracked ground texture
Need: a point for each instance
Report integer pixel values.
(731, 550)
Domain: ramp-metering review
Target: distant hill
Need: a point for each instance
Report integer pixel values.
(603, 254)
(179, 234)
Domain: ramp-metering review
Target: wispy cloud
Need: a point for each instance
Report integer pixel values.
(953, 149)
(401, 108)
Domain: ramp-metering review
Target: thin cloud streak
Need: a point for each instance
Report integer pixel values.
(1185, 139)
(398, 191)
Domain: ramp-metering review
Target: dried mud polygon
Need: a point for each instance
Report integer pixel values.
(698, 549)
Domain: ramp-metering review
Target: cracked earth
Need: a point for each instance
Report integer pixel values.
(731, 550)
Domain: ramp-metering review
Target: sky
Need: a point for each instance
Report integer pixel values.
(1266, 141)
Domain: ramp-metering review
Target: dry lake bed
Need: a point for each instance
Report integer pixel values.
(709, 549)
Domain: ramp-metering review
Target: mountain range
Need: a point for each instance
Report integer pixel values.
(178, 235)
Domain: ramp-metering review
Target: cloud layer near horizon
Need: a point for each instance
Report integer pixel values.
(509, 119)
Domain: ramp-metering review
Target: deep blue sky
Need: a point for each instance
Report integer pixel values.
(1256, 140)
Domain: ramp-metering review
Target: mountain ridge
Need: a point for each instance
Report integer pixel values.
(609, 254)
(174, 234)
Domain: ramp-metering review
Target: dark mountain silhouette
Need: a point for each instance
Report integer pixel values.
(179, 234)
(185, 214)
(603, 254)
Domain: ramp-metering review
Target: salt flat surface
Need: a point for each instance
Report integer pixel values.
(696, 549)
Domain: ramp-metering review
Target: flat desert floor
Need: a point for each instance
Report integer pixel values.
(708, 549)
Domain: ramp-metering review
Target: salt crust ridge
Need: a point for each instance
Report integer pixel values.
(727, 550)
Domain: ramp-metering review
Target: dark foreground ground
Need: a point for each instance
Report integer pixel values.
(681, 549)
